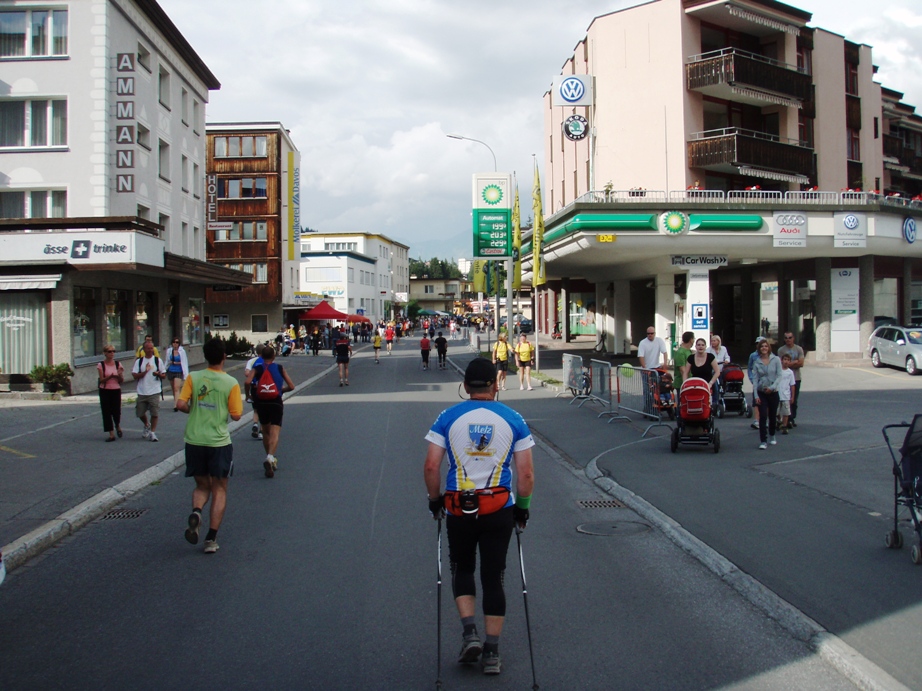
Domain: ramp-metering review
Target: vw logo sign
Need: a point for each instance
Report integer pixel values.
(845, 274)
(576, 127)
(851, 221)
(790, 219)
(909, 229)
(572, 89)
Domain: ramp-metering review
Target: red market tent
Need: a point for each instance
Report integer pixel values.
(357, 318)
(322, 312)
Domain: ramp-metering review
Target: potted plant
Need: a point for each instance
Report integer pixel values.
(54, 377)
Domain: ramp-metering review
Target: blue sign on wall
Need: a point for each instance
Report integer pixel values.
(699, 320)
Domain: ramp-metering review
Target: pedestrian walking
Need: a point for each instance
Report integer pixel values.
(501, 360)
(343, 351)
(140, 350)
(255, 429)
(148, 371)
(702, 364)
(389, 337)
(441, 347)
(524, 361)
(785, 392)
(209, 397)
(425, 346)
(797, 362)
(376, 344)
(488, 447)
(178, 368)
(652, 351)
(111, 375)
(266, 383)
(752, 358)
(766, 380)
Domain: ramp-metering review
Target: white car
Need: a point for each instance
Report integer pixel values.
(899, 346)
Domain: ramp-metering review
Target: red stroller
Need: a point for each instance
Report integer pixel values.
(695, 420)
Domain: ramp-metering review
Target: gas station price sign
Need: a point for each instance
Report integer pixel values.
(492, 233)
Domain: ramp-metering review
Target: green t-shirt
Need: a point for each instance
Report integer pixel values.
(211, 395)
(679, 358)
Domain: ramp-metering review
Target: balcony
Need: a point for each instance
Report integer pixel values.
(736, 75)
(732, 149)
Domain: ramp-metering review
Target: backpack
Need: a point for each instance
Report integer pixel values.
(268, 386)
(137, 367)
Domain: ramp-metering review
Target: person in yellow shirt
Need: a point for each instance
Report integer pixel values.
(524, 357)
(501, 360)
(140, 351)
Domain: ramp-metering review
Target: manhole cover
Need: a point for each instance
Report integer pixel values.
(610, 528)
(123, 514)
(599, 504)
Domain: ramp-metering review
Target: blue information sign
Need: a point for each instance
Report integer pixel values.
(699, 317)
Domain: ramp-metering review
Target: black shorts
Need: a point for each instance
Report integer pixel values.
(211, 461)
(342, 359)
(174, 375)
(269, 412)
(502, 365)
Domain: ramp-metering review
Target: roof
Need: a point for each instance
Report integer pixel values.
(165, 25)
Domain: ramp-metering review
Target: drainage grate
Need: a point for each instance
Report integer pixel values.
(600, 504)
(123, 514)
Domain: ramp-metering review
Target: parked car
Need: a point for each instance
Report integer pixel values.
(523, 324)
(898, 346)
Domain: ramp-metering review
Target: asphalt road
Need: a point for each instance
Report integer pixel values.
(326, 576)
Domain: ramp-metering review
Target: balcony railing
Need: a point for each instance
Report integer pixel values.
(792, 198)
(734, 67)
(732, 147)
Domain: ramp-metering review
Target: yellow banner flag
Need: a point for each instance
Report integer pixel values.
(479, 276)
(537, 240)
(516, 244)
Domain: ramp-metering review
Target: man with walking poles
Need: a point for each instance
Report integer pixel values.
(488, 446)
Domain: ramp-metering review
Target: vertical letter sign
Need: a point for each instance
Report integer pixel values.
(492, 215)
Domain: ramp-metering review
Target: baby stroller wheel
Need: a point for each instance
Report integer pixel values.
(674, 442)
(748, 409)
(893, 539)
(720, 410)
(916, 554)
(716, 441)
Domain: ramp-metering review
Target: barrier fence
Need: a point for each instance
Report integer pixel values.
(637, 391)
(600, 372)
(576, 380)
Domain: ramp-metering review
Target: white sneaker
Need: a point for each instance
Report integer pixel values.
(153, 436)
(254, 430)
(771, 440)
(521, 388)
(763, 446)
(146, 433)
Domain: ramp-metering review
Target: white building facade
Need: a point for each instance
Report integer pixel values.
(357, 273)
(102, 154)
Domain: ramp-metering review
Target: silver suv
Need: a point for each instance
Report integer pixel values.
(900, 346)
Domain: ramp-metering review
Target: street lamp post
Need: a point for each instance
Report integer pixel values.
(508, 261)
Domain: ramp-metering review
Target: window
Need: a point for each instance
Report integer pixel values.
(145, 317)
(33, 204)
(805, 130)
(195, 116)
(241, 147)
(33, 123)
(196, 240)
(185, 239)
(429, 290)
(851, 79)
(184, 107)
(185, 174)
(243, 188)
(116, 324)
(164, 220)
(340, 246)
(325, 274)
(196, 181)
(259, 270)
(143, 212)
(164, 161)
(351, 275)
(259, 323)
(144, 136)
(163, 88)
(84, 322)
(33, 33)
(243, 230)
(854, 145)
(220, 321)
(144, 57)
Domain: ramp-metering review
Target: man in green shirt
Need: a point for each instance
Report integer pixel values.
(680, 357)
(209, 397)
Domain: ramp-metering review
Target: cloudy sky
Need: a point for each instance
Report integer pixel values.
(370, 88)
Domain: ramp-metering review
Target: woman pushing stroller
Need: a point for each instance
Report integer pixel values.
(702, 364)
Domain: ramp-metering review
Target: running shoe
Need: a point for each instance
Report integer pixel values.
(269, 466)
(471, 647)
(763, 446)
(490, 663)
(153, 436)
(259, 436)
(211, 546)
(771, 440)
(754, 425)
(195, 520)
(254, 431)
(784, 431)
(146, 433)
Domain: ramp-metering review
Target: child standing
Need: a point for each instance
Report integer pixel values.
(785, 391)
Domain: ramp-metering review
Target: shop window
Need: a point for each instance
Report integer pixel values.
(582, 313)
(117, 320)
(145, 320)
(192, 322)
(220, 321)
(259, 323)
(85, 318)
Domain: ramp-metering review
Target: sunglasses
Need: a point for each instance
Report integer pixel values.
(651, 333)
(108, 351)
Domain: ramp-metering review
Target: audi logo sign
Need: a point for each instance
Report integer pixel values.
(789, 229)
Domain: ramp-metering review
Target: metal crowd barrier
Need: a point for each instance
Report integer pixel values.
(575, 378)
(638, 392)
(600, 373)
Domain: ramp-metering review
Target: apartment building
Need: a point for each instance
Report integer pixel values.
(357, 273)
(720, 165)
(102, 155)
(253, 213)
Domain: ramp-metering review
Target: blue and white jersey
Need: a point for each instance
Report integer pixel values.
(480, 438)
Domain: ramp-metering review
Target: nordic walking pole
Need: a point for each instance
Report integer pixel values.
(531, 653)
(438, 680)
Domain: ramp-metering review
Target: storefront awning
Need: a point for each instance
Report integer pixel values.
(27, 282)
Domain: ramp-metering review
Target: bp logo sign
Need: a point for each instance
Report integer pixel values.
(673, 223)
(492, 194)
(575, 127)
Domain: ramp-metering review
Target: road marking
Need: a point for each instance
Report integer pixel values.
(41, 429)
(21, 454)
(825, 455)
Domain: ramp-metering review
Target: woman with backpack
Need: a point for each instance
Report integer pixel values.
(111, 376)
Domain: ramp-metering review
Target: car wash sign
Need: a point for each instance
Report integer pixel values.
(492, 215)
